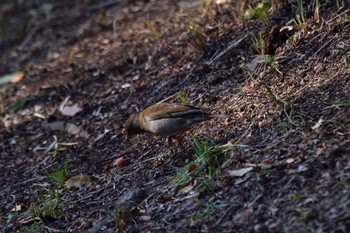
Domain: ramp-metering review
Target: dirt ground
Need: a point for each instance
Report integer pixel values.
(280, 163)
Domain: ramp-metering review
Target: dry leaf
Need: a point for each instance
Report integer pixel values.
(70, 110)
(121, 162)
(126, 85)
(12, 78)
(70, 128)
(318, 124)
(145, 218)
(185, 190)
(18, 208)
(78, 181)
(290, 160)
(239, 172)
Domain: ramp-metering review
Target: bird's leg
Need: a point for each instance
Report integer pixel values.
(169, 139)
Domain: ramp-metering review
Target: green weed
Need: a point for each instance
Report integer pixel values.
(47, 206)
(317, 12)
(258, 12)
(183, 96)
(196, 38)
(259, 44)
(211, 209)
(60, 175)
(19, 103)
(34, 228)
(205, 168)
(301, 11)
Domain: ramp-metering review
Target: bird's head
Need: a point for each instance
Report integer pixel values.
(132, 127)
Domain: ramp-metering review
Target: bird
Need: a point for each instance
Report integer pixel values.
(167, 120)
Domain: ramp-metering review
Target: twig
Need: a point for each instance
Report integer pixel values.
(337, 16)
(167, 98)
(29, 37)
(222, 217)
(231, 46)
(325, 44)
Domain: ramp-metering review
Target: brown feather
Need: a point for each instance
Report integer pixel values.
(166, 119)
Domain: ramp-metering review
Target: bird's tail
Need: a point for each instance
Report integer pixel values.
(219, 116)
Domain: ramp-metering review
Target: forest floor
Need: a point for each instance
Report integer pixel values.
(280, 163)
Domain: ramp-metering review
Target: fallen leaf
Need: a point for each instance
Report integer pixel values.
(70, 110)
(228, 145)
(185, 190)
(72, 129)
(318, 124)
(239, 172)
(121, 162)
(78, 181)
(290, 161)
(17, 208)
(67, 127)
(126, 85)
(12, 78)
(145, 218)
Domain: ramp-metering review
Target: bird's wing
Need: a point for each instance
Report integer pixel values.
(165, 110)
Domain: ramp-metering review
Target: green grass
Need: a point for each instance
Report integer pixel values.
(205, 168)
(196, 38)
(258, 11)
(34, 228)
(211, 208)
(60, 175)
(47, 206)
(259, 44)
(301, 11)
(317, 11)
(19, 103)
(183, 96)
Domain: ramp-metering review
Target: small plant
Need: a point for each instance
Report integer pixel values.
(254, 159)
(269, 60)
(300, 19)
(211, 209)
(47, 205)
(19, 104)
(196, 38)
(259, 44)
(205, 5)
(258, 12)
(285, 126)
(116, 217)
(295, 197)
(182, 96)
(60, 176)
(205, 168)
(317, 12)
(301, 11)
(33, 229)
